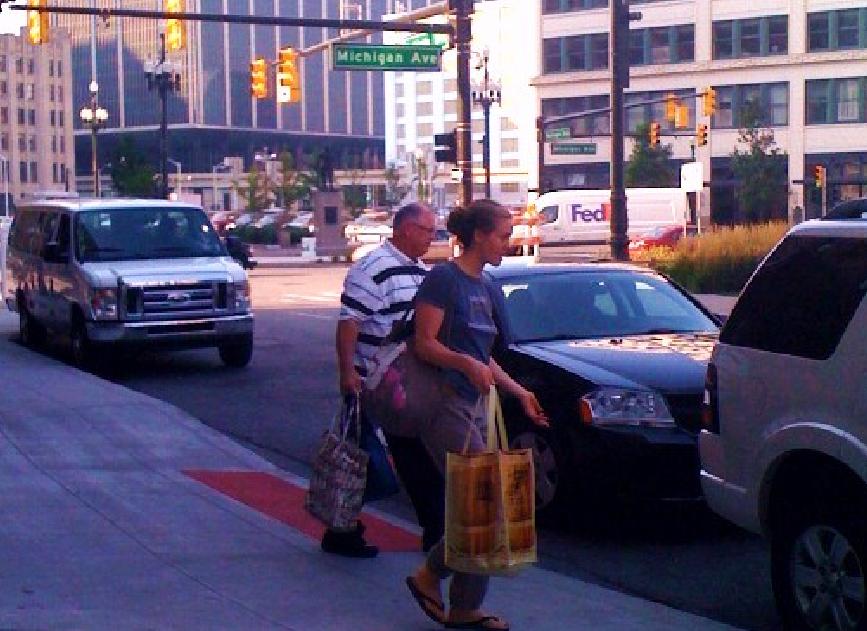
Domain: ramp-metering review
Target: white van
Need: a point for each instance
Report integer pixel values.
(583, 216)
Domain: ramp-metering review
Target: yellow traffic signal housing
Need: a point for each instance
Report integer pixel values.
(37, 23)
(701, 135)
(259, 78)
(819, 172)
(175, 29)
(288, 76)
(709, 102)
(681, 117)
(670, 107)
(654, 134)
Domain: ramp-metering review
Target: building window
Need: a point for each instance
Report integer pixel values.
(401, 132)
(4, 88)
(478, 126)
(4, 141)
(424, 88)
(2, 63)
(52, 118)
(756, 37)
(61, 117)
(60, 93)
(51, 93)
(510, 163)
(19, 90)
(54, 144)
(54, 172)
(450, 85)
(21, 116)
(22, 142)
(19, 65)
(59, 68)
(590, 125)
(63, 174)
(30, 91)
(62, 144)
(22, 172)
(450, 107)
(837, 30)
(34, 172)
(510, 187)
(424, 130)
(31, 66)
(425, 108)
(50, 67)
(832, 101)
(664, 45)
(31, 117)
(4, 115)
(769, 100)
(576, 52)
(509, 145)
(637, 115)
(33, 143)
(507, 124)
(563, 6)
(399, 110)
(398, 90)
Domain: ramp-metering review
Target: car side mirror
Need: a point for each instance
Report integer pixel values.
(53, 253)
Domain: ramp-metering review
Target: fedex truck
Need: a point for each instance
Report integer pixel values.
(584, 216)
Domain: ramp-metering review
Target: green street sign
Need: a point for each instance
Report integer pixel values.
(573, 148)
(427, 39)
(380, 57)
(558, 133)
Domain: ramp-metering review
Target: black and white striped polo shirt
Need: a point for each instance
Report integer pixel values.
(377, 292)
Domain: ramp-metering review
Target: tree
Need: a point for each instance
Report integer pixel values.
(355, 193)
(761, 169)
(255, 188)
(649, 166)
(294, 183)
(395, 188)
(131, 174)
(422, 178)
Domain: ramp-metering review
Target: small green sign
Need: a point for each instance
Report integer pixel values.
(557, 133)
(381, 57)
(427, 39)
(573, 148)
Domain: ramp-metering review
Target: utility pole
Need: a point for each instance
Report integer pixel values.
(463, 35)
(618, 46)
(164, 76)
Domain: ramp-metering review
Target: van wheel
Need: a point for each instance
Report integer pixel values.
(30, 332)
(82, 349)
(237, 354)
(819, 568)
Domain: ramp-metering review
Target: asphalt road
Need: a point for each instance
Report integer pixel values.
(279, 405)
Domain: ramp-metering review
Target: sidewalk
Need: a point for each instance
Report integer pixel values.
(107, 526)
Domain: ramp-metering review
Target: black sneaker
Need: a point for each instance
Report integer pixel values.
(348, 544)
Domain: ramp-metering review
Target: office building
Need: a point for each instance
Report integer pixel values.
(213, 114)
(36, 140)
(802, 63)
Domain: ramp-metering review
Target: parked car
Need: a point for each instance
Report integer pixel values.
(617, 356)
(659, 237)
(784, 444)
(131, 273)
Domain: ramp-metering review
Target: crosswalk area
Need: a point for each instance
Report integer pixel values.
(321, 299)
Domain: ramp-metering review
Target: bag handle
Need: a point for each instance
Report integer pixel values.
(497, 437)
(349, 412)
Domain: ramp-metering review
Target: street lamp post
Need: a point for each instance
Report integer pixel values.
(94, 116)
(487, 96)
(178, 184)
(165, 77)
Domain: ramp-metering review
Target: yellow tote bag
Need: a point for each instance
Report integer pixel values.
(490, 504)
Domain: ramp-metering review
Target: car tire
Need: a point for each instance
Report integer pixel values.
(237, 354)
(551, 469)
(819, 560)
(80, 346)
(30, 332)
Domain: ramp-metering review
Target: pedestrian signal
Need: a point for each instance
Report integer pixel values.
(701, 135)
(654, 134)
(446, 147)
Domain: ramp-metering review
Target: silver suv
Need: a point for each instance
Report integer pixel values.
(126, 273)
(784, 445)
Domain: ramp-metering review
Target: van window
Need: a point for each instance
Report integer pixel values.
(64, 234)
(25, 227)
(772, 314)
(48, 228)
(548, 214)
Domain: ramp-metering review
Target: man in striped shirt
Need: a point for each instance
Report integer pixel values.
(377, 292)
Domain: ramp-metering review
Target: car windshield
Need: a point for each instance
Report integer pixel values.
(575, 305)
(144, 233)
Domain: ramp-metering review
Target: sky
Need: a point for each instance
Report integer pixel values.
(12, 21)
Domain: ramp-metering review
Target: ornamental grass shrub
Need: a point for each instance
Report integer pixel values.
(720, 260)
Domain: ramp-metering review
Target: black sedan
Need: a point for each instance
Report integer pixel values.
(617, 356)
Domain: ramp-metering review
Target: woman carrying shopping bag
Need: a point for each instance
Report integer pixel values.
(455, 329)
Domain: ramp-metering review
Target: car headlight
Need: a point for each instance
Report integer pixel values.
(103, 304)
(625, 407)
(242, 296)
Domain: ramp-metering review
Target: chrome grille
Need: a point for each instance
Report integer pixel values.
(171, 301)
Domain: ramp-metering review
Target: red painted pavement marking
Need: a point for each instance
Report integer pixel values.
(284, 502)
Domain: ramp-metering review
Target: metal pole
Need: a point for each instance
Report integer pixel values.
(463, 130)
(486, 145)
(619, 220)
(540, 153)
(6, 186)
(93, 102)
(163, 86)
(93, 161)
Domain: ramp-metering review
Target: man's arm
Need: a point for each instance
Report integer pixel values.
(347, 337)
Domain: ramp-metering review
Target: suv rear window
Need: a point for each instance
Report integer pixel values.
(802, 299)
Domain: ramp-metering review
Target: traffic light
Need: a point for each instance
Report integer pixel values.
(681, 117)
(670, 107)
(446, 147)
(37, 23)
(288, 77)
(175, 29)
(259, 78)
(654, 134)
(820, 173)
(709, 102)
(701, 135)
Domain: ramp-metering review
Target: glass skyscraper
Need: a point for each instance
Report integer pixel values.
(213, 114)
